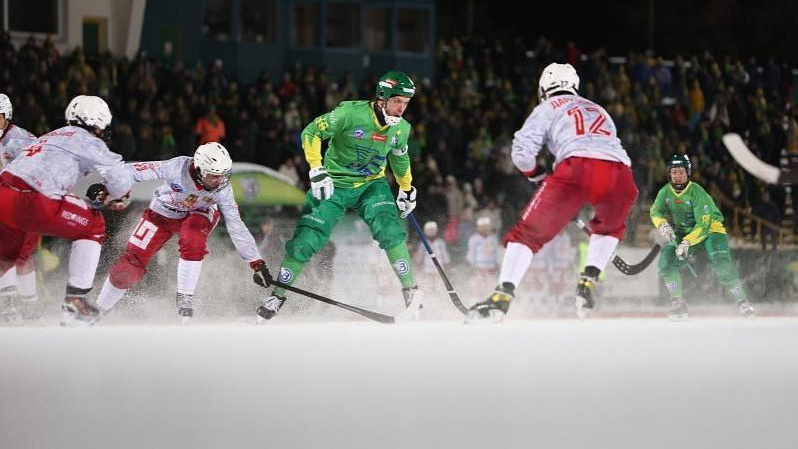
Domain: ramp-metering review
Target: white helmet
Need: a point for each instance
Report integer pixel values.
(431, 227)
(5, 106)
(557, 78)
(212, 159)
(88, 110)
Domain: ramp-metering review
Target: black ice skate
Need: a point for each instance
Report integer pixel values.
(584, 295)
(184, 307)
(493, 309)
(76, 309)
(746, 309)
(678, 310)
(270, 307)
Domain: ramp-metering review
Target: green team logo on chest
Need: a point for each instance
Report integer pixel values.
(368, 160)
(370, 150)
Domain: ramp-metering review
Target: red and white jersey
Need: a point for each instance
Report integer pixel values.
(483, 251)
(180, 195)
(12, 142)
(53, 163)
(569, 126)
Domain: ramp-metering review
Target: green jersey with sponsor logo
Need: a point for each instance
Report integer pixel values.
(692, 212)
(359, 147)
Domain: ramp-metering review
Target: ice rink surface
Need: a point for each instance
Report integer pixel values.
(603, 383)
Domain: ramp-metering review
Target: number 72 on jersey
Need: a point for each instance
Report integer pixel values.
(596, 125)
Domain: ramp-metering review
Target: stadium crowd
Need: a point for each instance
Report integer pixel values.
(463, 119)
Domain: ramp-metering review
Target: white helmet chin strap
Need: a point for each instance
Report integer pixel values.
(390, 120)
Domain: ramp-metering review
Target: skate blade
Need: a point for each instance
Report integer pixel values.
(185, 320)
(581, 311)
(412, 312)
(679, 317)
(494, 316)
(70, 320)
(749, 313)
(12, 316)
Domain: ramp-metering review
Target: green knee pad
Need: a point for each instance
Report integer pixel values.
(717, 248)
(290, 270)
(399, 257)
(668, 267)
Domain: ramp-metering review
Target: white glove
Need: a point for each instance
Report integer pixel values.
(406, 201)
(321, 184)
(666, 231)
(681, 250)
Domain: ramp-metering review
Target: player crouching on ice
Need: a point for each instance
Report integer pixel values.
(194, 192)
(36, 197)
(697, 223)
(18, 284)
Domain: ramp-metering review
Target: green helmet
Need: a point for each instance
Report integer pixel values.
(394, 83)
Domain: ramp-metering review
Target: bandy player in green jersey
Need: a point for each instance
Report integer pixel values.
(689, 220)
(363, 137)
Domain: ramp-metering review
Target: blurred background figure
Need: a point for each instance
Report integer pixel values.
(210, 127)
(483, 257)
(429, 278)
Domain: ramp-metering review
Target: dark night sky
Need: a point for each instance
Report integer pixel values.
(736, 27)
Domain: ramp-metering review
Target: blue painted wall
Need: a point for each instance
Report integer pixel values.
(180, 21)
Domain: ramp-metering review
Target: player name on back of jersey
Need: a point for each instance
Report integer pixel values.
(559, 101)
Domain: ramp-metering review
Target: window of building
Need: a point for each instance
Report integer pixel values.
(307, 27)
(413, 30)
(258, 21)
(217, 23)
(343, 25)
(378, 26)
(33, 16)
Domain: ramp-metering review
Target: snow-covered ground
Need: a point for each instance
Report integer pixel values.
(713, 382)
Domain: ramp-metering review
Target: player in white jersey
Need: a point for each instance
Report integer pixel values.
(17, 284)
(590, 166)
(36, 196)
(189, 202)
(422, 257)
(483, 255)
(13, 139)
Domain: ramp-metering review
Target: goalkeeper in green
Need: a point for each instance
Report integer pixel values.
(364, 136)
(687, 217)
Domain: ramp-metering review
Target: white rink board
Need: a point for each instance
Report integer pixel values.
(605, 383)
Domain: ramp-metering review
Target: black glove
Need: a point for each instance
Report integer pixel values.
(537, 175)
(97, 194)
(262, 276)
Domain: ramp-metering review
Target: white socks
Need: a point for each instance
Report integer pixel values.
(9, 278)
(188, 272)
(517, 258)
(83, 260)
(109, 295)
(600, 250)
(26, 286)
